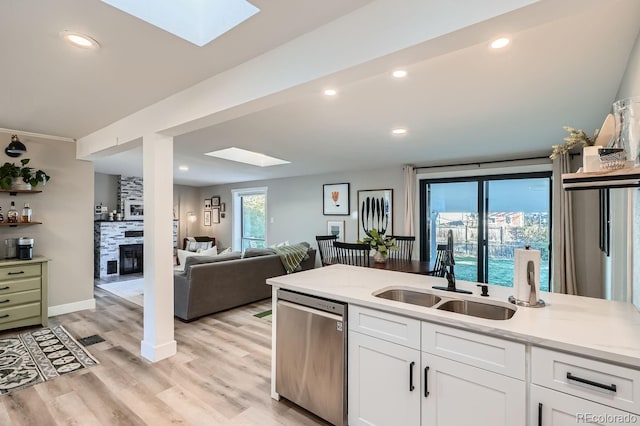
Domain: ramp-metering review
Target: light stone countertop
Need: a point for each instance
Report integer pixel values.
(591, 327)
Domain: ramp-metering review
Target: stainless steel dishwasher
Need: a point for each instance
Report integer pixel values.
(311, 337)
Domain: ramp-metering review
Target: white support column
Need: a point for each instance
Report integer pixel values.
(157, 162)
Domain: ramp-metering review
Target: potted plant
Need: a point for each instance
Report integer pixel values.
(380, 244)
(21, 176)
(576, 138)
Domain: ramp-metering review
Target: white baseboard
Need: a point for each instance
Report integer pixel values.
(72, 307)
(155, 353)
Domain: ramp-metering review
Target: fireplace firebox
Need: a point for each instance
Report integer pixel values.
(131, 258)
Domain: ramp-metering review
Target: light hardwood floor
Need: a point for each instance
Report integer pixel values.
(220, 376)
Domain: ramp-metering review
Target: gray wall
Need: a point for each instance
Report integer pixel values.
(106, 190)
(66, 233)
(294, 205)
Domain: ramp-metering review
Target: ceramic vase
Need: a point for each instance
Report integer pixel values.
(379, 257)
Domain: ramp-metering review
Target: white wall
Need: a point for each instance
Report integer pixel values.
(66, 233)
(629, 87)
(294, 205)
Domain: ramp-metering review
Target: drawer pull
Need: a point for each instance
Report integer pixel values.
(539, 413)
(411, 387)
(4, 316)
(6, 287)
(15, 273)
(426, 382)
(611, 388)
(5, 301)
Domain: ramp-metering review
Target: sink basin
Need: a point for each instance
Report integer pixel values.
(409, 296)
(477, 309)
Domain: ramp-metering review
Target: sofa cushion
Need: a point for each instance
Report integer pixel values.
(253, 252)
(199, 260)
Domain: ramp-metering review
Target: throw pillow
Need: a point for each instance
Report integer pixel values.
(225, 251)
(282, 244)
(253, 252)
(182, 258)
(213, 251)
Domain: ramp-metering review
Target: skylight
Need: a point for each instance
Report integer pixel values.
(248, 157)
(197, 21)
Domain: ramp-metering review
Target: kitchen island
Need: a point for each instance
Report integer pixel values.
(584, 349)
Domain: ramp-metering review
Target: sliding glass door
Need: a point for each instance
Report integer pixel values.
(490, 217)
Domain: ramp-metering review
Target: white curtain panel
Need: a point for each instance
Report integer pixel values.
(564, 267)
(409, 198)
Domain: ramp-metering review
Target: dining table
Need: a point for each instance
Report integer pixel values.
(400, 265)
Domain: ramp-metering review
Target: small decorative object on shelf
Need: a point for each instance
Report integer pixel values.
(612, 158)
(23, 176)
(12, 214)
(575, 138)
(26, 213)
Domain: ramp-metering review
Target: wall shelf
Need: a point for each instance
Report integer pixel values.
(12, 225)
(21, 191)
(622, 178)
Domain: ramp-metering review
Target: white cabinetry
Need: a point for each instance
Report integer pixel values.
(406, 372)
(569, 389)
(471, 378)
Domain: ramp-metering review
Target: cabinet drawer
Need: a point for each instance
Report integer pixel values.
(7, 287)
(19, 271)
(390, 327)
(18, 298)
(490, 353)
(598, 381)
(19, 312)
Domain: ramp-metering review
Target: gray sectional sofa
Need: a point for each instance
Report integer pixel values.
(214, 284)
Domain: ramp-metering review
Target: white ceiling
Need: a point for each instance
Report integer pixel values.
(465, 103)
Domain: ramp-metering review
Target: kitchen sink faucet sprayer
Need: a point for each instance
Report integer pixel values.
(448, 265)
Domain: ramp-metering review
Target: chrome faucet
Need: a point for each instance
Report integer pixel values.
(448, 265)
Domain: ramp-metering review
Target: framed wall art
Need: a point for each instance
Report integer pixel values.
(215, 214)
(207, 218)
(336, 227)
(335, 199)
(207, 203)
(375, 210)
(215, 200)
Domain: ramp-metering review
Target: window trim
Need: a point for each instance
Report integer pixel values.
(236, 220)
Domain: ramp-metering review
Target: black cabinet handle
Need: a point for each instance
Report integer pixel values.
(5, 301)
(5, 287)
(611, 388)
(411, 387)
(540, 414)
(426, 382)
(5, 316)
(15, 273)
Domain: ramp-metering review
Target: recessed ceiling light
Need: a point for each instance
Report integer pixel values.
(183, 168)
(248, 157)
(79, 40)
(399, 131)
(330, 92)
(499, 43)
(399, 74)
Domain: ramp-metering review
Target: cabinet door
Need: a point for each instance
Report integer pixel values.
(381, 377)
(458, 394)
(553, 408)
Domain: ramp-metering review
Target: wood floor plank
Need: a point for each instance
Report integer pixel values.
(221, 375)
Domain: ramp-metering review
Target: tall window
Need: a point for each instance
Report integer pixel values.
(490, 217)
(249, 218)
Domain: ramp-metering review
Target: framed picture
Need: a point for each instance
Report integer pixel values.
(133, 210)
(223, 207)
(336, 227)
(215, 200)
(207, 203)
(375, 210)
(335, 199)
(207, 218)
(215, 214)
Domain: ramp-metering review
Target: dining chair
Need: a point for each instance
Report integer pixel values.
(439, 268)
(326, 249)
(405, 247)
(352, 253)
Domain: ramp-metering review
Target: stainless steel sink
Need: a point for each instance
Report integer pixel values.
(409, 296)
(477, 309)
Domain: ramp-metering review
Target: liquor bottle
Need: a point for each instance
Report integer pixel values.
(1, 215)
(26, 213)
(12, 214)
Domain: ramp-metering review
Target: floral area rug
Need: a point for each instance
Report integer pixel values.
(40, 355)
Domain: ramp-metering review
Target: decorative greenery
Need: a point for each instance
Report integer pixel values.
(379, 242)
(11, 171)
(575, 138)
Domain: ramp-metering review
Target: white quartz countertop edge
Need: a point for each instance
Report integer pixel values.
(591, 327)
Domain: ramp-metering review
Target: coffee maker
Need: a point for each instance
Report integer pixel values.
(25, 248)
